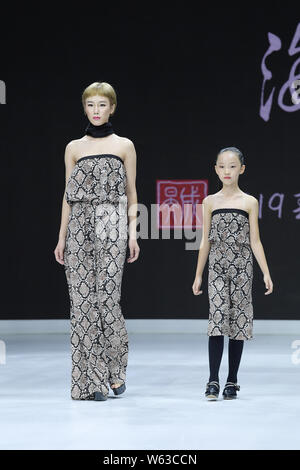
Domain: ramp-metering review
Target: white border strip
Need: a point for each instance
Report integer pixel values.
(265, 327)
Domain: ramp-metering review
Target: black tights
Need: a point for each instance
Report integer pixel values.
(215, 352)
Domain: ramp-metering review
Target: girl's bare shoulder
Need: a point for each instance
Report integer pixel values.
(208, 203)
(210, 200)
(243, 201)
(248, 198)
(251, 202)
(207, 200)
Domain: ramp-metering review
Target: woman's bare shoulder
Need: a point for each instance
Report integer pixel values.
(71, 150)
(127, 148)
(74, 144)
(123, 141)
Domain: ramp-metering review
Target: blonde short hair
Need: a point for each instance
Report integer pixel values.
(102, 89)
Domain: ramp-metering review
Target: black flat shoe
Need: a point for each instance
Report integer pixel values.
(98, 396)
(229, 391)
(212, 390)
(119, 390)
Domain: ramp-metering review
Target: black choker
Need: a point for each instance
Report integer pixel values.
(99, 131)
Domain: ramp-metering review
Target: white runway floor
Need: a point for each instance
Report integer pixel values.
(164, 405)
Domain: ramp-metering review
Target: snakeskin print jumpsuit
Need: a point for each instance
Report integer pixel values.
(94, 257)
(230, 275)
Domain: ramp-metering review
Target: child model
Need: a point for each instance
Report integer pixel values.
(230, 235)
(100, 185)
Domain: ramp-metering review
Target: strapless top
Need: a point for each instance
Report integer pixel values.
(97, 178)
(229, 226)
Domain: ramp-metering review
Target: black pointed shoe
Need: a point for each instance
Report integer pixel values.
(212, 390)
(119, 390)
(229, 391)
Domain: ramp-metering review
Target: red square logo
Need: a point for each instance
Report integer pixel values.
(179, 203)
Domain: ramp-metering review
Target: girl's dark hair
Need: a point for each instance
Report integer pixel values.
(236, 151)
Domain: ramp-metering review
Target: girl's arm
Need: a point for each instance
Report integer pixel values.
(204, 245)
(256, 245)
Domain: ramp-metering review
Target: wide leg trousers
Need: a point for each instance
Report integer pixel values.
(230, 276)
(94, 257)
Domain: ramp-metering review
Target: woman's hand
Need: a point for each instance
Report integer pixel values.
(134, 250)
(197, 285)
(268, 283)
(59, 251)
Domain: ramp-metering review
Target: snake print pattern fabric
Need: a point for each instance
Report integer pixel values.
(94, 257)
(230, 275)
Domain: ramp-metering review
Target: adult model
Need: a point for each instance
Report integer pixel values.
(230, 235)
(100, 190)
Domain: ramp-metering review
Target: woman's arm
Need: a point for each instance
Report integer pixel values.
(65, 212)
(204, 245)
(256, 244)
(131, 193)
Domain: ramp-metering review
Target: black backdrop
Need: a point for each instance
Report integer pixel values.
(187, 84)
